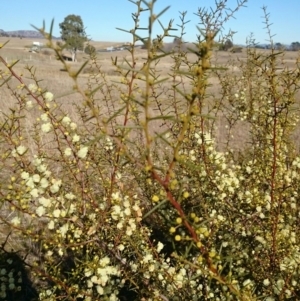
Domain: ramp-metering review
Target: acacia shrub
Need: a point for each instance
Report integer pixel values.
(134, 199)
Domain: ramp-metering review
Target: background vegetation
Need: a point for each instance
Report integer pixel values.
(173, 174)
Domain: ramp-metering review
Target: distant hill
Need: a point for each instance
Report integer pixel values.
(33, 34)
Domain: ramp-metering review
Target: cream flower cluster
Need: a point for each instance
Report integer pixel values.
(33, 88)
(46, 125)
(39, 182)
(101, 275)
(172, 278)
(48, 96)
(71, 127)
(126, 213)
(222, 174)
(109, 145)
(39, 185)
(291, 262)
(241, 104)
(68, 123)
(19, 151)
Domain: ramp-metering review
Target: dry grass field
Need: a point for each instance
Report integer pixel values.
(55, 79)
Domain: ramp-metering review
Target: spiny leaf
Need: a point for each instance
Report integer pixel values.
(5, 81)
(163, 117)
(80, 69)
(115, 114)
(146, 3)
(155, 208)
(130, 127)
(11, 65)
(96, 89)
(160, 56)
(2, 45)
(51, 29)
(41, 30)
(121, 29)
(162, 12)
(160, 81)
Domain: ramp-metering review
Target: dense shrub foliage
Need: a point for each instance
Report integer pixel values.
(133, 197)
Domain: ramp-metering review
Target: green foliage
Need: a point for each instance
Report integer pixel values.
(73, 32)
(226, 45)
(136, 197)
(90, 50)
(295, 46)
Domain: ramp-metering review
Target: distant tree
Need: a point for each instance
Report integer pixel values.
(236, 49)
(295, 46)
(177, 41)
(227, 45)
(178, 44)
(279, 46)
(73, 34)
(154, 43)
(90, 49)
(3, 33)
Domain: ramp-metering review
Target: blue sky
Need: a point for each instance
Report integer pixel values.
(101, 17)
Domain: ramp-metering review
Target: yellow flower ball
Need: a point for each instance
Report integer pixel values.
(155, 198)
(199, 244)
(178, 238)
(179, 220)
(172, 230)
(186, 194)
